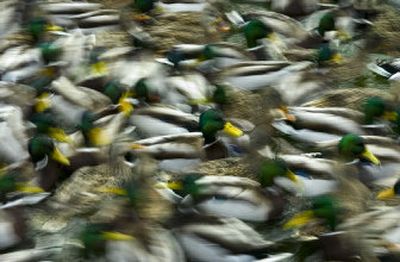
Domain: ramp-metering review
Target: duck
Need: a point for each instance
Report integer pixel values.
(200, 238)
(209, 124)
(229, 196)
(326, 210)
(46, 158)
(209, 56)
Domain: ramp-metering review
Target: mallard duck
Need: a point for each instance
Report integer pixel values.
(45, 156)
(183, 149)
(211, 56)
(327, 211)
(202, 239)
(227, 196)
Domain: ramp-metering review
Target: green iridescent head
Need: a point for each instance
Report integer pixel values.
(352, 146)
(254, 31)
(374, 107)
(144, 5)
(271, 169)
(323, 208)
(219, 95)
(37, 27)
(42, 146)
(326, 23)
(114, 91)
(93, 239)
(187, 185)
(326, 54)
(8, 184)
(212, 121)
(50, 52)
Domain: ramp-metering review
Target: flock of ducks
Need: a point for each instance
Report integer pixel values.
(238, 149)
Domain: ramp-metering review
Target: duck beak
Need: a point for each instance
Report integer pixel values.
(200, 101)
(59, 157)
(137, 146)
(337, 59)
(292, 176)
(53, 28)
(343, 35)
(370, 157)
(113, 190)
(390, 115)
(175, 185)
(272, 37)
(116, 236)
(26, 188)
(125, 106)
(232, 130)
(99, 68)
(288, 116)
(386, 194)
(59, 135)
(141, 18)
(97, 137)
(43, 102)
(300, 219)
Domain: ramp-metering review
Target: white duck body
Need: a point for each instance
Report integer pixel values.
(229, 196)
(14, 138)
(219, 239)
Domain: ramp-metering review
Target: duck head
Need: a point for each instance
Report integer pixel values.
(326, 24)
(9, 183)
(97, 66)
(143, 91)
(144, 6)
(50, 52)
(186, 186)
(42, 147)
(94, 136)
(271, 169)
(352, 146)
(212, 121)
(325, 54)
(119, 96)
(390, 192)
(39, 26)
(254, 31)
(46, 124)
(376, 107)
(95, 236)
(323, 208)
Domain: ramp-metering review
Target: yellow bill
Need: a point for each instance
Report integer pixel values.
(137, 146)
(273, 37)
(232, 130)
(386, 194)
(59, 157)
(125, 106)
(337, 59)
(98, 137)
(292, 176)
(390, 115)
(99, 68)
(200, 101)
(175, 185)
(53, 28)
(343, 35)
(43, 102)
(300, 219)
(370, 157)
(59, 135)
(117, 236)
(26, 188)
(113, 190)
